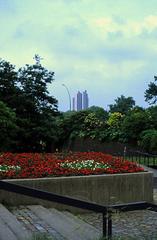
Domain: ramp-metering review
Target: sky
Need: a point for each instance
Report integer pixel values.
(107, 47)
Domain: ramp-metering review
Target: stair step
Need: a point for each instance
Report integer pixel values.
(36, 225)
(81, 227)
(69, 227)
(5, 232)
(10, 227)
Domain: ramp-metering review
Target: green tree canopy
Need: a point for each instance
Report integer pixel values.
(25, 91)
(134, 123)
(115, 123)
(122, 104)
(8, 127)
(151, 92)
(148, 140)
(37, 108)
(8, 84)
(33, 81)
(152, 116)
(100, 113)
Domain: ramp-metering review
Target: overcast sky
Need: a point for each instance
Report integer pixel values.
(108, 47)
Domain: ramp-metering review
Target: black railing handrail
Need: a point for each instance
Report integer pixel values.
(134, 153)
(106, 210)
(128, 151)
(134, 206)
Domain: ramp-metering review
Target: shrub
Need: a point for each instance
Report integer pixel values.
(148, 140)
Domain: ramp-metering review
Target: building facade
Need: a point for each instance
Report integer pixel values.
(73, 103)
(85, 100)
(79, 101)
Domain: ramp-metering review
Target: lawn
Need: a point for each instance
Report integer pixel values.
(37, 165)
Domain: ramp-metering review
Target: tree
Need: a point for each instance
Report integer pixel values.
(33, 81)
(100, 113)
(8, 127)
(8, 84)
(133, 124)
(37, 109)
(92, 127)
(151, 92)
(26, 94)
(122, 104)
(152, 117)
(148, 140)
(115, 123)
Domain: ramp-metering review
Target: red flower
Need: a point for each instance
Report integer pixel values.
(34, 165)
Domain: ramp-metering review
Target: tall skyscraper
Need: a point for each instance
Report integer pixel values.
(79, 101)
(85, 100)
(73, 102)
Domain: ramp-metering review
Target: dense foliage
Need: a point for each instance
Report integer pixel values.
(151, 92)
(30, 121)
(124, 128)
(29, 109)
(122, 104)
(8, 126)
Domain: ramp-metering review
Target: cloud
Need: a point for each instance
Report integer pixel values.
(150, 23)
(105, 47)
(6, 6)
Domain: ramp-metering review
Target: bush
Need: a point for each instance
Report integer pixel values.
(148, 140)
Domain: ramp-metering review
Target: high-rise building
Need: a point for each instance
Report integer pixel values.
(79, 101)
(73, 102)
(85, 100)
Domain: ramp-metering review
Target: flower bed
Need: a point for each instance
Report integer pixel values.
(35, 165)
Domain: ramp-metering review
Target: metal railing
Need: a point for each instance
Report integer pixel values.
(73, 202)
(144, 158)
(106, 210)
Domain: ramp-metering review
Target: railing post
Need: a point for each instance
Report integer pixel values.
(153, 160)
(109, 224)
(104, 222)
(124, 153)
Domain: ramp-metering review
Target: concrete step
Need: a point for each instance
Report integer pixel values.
(5, 232)
(32, 222)
(69, 226)
(80, 228)
(10, 227)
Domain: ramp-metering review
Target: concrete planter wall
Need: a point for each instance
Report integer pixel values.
(102, 189)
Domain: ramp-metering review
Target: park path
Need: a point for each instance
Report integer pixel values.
(139, 224)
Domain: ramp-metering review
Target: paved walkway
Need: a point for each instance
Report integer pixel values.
(141, 225)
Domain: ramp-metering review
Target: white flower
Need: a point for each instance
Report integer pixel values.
(88, 164)
(5, 168)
